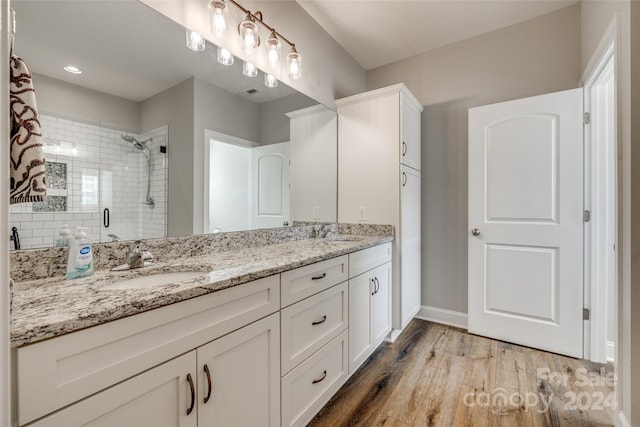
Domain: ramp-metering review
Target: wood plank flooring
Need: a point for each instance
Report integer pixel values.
(436, 375)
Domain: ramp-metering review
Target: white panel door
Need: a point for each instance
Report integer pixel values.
(271, 175)
(159, 397)
(410, 292)
(525, 222)
(239, 377)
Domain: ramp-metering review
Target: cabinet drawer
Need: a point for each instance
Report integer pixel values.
(309, 280)
(311, 323)
(310, 386)
(54, 373)
(369, 258)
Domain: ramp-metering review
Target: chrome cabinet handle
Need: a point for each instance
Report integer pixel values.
(319, 380)
(404, 179)
(320, 276)
(475, 232)
(324, 319)
(206, 371)
(404, 148)
(193, 394)
(374, 286)
(375, 279)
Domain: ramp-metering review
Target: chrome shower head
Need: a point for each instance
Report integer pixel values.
(137, 144)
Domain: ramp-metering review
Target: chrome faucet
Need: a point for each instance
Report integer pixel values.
(138, 255)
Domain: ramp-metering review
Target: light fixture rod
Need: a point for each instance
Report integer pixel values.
(258, 17)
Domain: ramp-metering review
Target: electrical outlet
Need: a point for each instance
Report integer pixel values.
(362, 213)
(316, 212)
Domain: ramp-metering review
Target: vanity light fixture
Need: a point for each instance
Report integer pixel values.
(248, 31)
(72, 69)
(249, 70)
(195, 41)
(270, 80)
(225, 57)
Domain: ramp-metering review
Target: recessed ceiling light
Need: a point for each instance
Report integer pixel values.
(72, 69)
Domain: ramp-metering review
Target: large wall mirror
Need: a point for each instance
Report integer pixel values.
(153, 139)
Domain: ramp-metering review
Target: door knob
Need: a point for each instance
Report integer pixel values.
(475, 232)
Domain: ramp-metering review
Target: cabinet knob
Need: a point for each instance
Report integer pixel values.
(475, 232)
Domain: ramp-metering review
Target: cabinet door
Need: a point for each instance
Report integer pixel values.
(360, 290)
(239, 377)
(381, 303)
(159, 397)
(410, 290)
(410, 136)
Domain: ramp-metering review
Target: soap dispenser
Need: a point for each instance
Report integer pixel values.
(80, 262)
(64, 236)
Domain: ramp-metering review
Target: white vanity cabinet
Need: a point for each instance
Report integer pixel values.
(369, 302)
(379, 181)
(314, 339)
(55, 373)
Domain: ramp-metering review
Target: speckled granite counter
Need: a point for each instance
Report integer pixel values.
(51, 307)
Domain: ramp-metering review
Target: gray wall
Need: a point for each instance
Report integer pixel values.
(534, 57)
(274, 123)
(65, 99)
(174, 107)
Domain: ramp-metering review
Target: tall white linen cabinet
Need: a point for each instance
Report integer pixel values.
(379, 181)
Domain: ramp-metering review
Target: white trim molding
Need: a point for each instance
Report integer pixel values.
(444, 316)
(620, 420)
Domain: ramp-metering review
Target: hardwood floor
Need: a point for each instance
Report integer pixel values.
(436, 375)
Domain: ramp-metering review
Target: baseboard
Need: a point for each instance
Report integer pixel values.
(611, 351)
(441, 315)
(620, 420)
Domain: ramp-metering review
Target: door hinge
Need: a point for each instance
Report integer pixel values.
(587, 118)
(587, 216)
(585, 314)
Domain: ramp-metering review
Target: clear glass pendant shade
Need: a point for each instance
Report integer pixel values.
(225, 57)
(274, 47)
(249, 70)
(216, 14)
(270, 80)
(248, 30)
(195, 41)
(294, 64)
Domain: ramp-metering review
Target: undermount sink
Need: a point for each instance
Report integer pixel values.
(342, 239)
(152, 280)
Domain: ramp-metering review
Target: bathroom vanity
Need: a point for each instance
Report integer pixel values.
(264, 336)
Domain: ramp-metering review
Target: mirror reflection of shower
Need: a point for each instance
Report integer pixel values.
(142, 146)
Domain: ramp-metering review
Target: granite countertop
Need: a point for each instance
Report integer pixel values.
(52, 307)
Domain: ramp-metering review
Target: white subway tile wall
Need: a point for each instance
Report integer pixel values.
(105, 172)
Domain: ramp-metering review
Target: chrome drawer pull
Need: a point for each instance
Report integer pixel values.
(320, 276)
(324, 319)
(319, 380)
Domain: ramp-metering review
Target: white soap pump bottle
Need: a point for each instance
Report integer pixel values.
(80, 262)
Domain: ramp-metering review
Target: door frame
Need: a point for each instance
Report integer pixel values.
(595, 300)
(221, 137)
